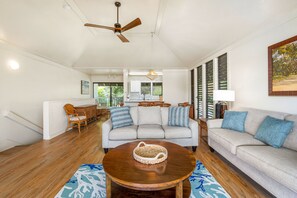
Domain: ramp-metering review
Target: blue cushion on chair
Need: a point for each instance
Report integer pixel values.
(120, 117)
(234, 120)
(274, 131)
(178, 116)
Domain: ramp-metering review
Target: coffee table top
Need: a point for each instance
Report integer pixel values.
(121, 167)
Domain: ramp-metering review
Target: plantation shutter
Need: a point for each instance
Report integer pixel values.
(209, 90)
(192, 87)
(222, 72)
(199, 92)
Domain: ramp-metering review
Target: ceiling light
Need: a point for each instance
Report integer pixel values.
(143, 73)
(152, 75)
(14, 65)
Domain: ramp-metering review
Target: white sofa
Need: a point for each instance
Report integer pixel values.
(273, 168)
(149, 123)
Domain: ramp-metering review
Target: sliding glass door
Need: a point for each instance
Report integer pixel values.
(109, 94)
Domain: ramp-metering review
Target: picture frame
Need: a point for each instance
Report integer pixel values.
(282, 68)
(85, 87)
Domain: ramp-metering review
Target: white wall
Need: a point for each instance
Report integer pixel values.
(54, 117)
(23, 91)
(176, 86)
(107, 78)
(249, 71)
(248, 66)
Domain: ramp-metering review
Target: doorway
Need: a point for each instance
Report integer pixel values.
(108, 94)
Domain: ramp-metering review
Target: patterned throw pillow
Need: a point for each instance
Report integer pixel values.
(120, 117)
(274, 131)
(178, 116)
(234, 120)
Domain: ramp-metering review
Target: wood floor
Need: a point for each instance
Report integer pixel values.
(41, 169)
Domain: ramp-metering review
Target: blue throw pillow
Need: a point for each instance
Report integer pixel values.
(274, 131)
(178, 116)
(120, 117)
(234, 120)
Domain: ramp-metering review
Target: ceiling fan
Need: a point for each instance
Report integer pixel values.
(118, 29)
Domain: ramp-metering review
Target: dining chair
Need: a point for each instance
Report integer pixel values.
(75, 117)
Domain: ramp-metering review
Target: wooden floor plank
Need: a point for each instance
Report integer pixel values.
(41, 169)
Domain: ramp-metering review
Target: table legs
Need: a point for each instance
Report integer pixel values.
(179, 190)
(108, 187)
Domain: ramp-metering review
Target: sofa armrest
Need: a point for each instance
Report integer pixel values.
(106, 128)
(193, 125)
(216, 123)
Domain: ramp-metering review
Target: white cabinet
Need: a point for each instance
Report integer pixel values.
(135, 86)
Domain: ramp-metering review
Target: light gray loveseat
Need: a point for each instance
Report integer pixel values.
(149, 123)
(273, 168)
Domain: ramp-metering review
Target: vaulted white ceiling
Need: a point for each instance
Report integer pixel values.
(184, 31)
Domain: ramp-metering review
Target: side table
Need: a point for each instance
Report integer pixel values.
(203, 127)
(91, 111)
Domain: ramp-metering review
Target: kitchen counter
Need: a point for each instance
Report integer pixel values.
(135, 102)
(132, 101)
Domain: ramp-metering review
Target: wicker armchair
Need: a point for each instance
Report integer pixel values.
(75, 118)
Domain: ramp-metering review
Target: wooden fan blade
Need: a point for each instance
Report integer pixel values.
(132, 24)
(99, 26)
(123, 39)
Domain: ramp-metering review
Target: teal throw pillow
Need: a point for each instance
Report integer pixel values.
(274, 131)
(234, 120)
(178, 116)
(120, 117)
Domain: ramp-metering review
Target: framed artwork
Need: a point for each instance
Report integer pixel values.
(85, 87)
(282, 68)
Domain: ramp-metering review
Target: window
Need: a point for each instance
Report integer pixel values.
(145, 88)
(157, 89)
(222, 72)
(192, 86)
(199, 92)
(152, 88)
(209, 90)
(108, 94)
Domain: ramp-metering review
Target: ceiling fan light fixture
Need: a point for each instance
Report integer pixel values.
(152, 75)
(118, 29)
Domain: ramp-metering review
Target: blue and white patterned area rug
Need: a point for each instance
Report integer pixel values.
(89, 182)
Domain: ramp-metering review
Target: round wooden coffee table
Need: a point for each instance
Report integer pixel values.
(121, 168)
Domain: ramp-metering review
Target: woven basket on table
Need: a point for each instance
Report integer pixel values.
(149, 153)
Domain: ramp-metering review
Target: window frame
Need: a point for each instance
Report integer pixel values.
(199, 96)
(223, 72)
(209, 67)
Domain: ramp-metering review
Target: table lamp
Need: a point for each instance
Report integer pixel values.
(223, 97)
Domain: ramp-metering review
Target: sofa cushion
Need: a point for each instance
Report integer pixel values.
(231, 140)
(164, 114)
(291, 140)
(124, 133)
(149, 115)
(234, 120)
(256, 116)
(279, 164)
(215, 123)
(134, 115)
(120, 117)
(76, 118)
(172, 132)
(150, 131)
(178, 116)
(274, 131)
